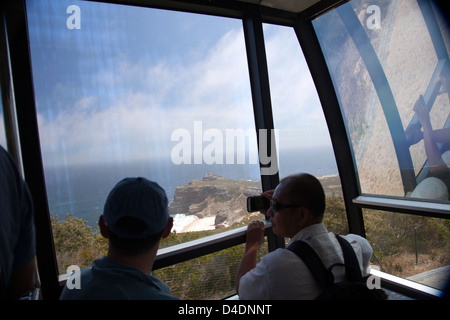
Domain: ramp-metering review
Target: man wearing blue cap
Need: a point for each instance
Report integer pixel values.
(135, 218)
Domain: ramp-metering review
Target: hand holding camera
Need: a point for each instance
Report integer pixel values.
(260, 203)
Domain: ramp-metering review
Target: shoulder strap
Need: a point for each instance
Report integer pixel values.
(316, 267)
(323, 276)
(352, 270)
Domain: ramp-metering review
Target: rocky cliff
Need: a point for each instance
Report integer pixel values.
(217, 196)
(226, 199)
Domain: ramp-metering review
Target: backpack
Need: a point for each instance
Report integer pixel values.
(354, 288)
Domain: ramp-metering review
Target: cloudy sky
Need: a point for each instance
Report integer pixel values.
(118, 87)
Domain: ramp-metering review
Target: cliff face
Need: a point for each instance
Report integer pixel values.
(217, 196)
(225, 199)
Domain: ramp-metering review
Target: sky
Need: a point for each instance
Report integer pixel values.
(117, 88)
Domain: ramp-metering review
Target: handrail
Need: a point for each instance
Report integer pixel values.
(406, 287)
(197, 248)
(200, 247)
(407, 205)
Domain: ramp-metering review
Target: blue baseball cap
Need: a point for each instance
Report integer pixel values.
(141, 199)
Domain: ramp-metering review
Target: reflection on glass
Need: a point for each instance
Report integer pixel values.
(126, 91)
(383, 57)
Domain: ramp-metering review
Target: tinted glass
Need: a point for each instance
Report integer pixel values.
(125, 91)
(389, 65)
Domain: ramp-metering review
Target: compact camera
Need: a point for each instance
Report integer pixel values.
(257, 203)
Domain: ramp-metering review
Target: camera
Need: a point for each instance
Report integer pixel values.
(257, 203)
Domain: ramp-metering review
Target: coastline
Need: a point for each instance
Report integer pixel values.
(200, 224)
(193, 223)
(190, 223)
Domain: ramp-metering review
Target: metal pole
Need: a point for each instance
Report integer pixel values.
(415, 244)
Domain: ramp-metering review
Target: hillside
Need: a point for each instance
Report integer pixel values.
(215, 196)
(224, 201)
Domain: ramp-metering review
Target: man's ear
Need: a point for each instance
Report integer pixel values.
(168, 228)
(103, 227)
(304, 216)
(307, 217)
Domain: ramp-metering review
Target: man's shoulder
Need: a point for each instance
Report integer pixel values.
(356, 239)
(279, 259)
(104, 284)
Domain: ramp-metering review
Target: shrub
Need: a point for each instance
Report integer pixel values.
(75, 242)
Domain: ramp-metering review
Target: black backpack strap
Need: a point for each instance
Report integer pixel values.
(352, 270)
(324, 277)
(315, 265)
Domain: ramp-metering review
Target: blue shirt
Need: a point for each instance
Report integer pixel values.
(17, 232)
(112, 280)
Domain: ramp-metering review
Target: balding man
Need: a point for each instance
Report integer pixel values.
(296, 212)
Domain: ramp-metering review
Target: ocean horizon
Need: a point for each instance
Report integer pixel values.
(81, 190)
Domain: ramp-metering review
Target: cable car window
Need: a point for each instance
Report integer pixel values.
(390, 68)
(410, 246)
(127, 91)
(304, 143)
(303, 139)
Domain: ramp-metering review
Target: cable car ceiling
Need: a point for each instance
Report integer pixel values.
(294, 6)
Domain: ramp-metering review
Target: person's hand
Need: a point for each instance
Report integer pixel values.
(255, 234)
(255, 237)
(414, 133)
(422, 113)
(267, 194)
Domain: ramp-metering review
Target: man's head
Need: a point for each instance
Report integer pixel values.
(298, 201)
(135, 216)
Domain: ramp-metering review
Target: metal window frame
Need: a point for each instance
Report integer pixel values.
(19, 55)
(262, 103)
(9, 114)
(408, 206)
(406, 287)
(252, 16)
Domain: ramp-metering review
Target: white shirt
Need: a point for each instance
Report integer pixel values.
(282, 275)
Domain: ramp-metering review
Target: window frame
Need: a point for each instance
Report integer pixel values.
(252, 16)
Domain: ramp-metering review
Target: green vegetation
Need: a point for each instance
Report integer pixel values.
(395, 239)
(405, 245)
(76, 242)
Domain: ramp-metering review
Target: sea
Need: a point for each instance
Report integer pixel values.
(81, 190)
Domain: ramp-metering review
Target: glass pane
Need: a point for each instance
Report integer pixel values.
(127, 91)
(387, 59)
(210, 277)
(411, 247)
(304, 142)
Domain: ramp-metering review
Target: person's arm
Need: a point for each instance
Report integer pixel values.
(255, 237)
(437, 165)
(22, 280)
(442, 135)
